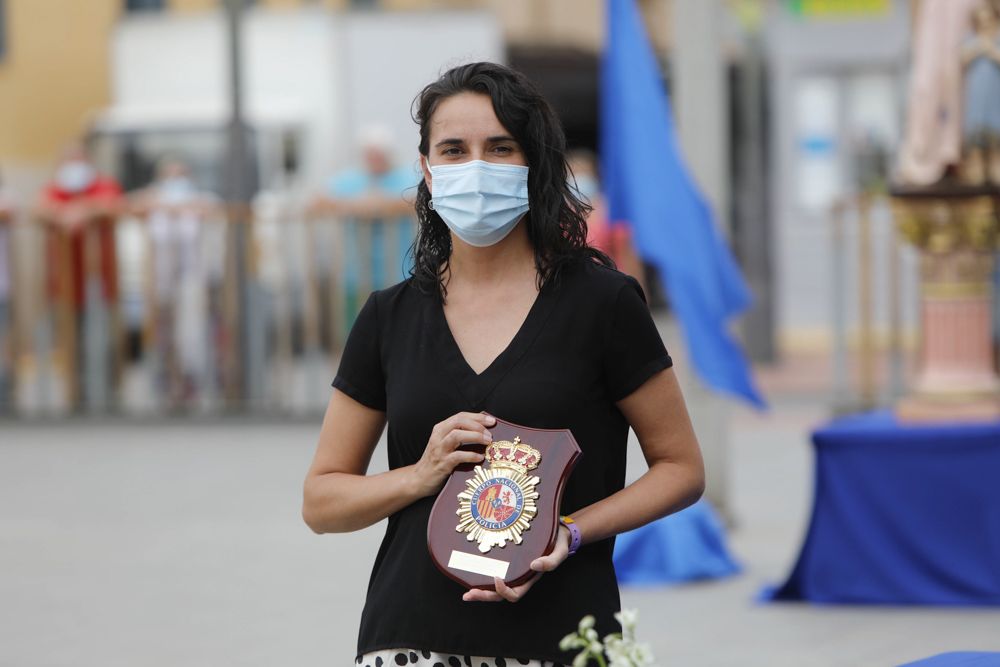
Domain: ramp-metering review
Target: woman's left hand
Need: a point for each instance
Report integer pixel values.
(539, 565)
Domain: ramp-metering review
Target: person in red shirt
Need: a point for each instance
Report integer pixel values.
(7, 216)
(79, 207)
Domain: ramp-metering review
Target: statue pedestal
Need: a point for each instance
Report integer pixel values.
(955, 229)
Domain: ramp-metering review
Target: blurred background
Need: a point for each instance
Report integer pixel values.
(197, 196)
(223, 274)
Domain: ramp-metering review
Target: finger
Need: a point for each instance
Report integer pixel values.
(559, 553)
(473, 420)
(460, 437)
(484, 418)
(477, 595)
(547, 563)
(442, 431)
(467, 424)
(457, 458)
(505, 591)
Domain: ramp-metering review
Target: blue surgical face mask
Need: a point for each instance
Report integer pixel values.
(481, 202)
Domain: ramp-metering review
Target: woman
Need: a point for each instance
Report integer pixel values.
(508, 313)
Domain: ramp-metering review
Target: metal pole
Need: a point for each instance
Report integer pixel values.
(841, 390)
(753, 228)
(896, 360)
(243, 364)
(866, 343)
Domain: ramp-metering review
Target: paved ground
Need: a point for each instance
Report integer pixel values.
(181, 544)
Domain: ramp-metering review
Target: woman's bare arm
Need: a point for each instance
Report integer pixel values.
(339, 496)
(676, 475)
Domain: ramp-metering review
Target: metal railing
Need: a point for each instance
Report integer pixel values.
(873, 303)
(151, 315)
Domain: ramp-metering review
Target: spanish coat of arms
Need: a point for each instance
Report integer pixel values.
(498, 502)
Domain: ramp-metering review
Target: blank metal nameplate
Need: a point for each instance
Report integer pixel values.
(490, 567)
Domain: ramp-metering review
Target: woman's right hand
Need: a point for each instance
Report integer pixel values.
(442, 453)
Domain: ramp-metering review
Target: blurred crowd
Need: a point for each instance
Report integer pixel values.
(131, 301)
(110, 299)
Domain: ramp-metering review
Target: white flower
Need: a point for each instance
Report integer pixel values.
(620, 649)
(642, 655)
(628, 618)
(571, 641)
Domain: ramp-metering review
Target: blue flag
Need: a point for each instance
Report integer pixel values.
(648, 187)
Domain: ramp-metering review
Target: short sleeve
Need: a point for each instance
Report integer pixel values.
(360, 375)
(633, 350)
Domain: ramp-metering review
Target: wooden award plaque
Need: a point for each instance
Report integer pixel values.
(494, 518)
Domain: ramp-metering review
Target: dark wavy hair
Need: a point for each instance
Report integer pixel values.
(557, 219)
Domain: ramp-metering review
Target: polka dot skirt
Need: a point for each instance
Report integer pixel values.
(394, 657)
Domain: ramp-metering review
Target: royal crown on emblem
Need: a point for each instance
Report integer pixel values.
(514, 455)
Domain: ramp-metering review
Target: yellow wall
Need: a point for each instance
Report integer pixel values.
(55, 74)
(202, 5)
(192, 5)
(56, 70)
(567, 23)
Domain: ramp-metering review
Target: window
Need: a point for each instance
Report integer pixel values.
(144, 5)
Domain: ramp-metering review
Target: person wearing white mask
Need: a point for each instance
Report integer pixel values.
(174, 210)
(508, 312)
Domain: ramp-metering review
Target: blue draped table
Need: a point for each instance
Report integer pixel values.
(963, 659)
(687, 546)
(903, 514)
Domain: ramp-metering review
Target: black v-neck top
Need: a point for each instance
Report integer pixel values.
(587, 342)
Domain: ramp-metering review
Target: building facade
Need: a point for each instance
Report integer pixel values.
(55, 62)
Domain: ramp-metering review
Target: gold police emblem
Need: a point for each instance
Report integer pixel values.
(498, 502)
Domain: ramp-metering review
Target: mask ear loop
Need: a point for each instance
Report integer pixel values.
(427, 163)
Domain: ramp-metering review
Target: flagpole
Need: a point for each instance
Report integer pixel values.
(700, 98)
(244, 365)
(752, 226)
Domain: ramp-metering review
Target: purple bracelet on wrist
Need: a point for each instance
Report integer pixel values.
(574, 534)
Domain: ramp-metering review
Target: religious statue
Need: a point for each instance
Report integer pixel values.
(981, 114)
(933, 141)
(946, 199)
